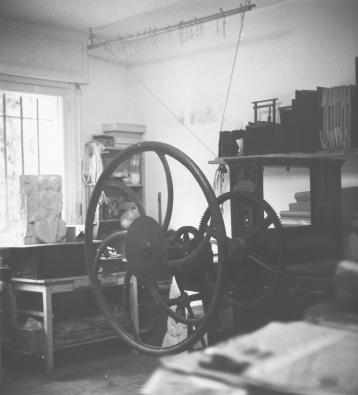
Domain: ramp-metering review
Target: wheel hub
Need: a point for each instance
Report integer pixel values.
(146, 248)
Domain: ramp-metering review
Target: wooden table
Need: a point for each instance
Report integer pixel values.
(49, 287)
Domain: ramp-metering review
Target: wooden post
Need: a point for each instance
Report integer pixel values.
(48, 328)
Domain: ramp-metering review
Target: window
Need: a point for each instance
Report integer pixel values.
(33, 134)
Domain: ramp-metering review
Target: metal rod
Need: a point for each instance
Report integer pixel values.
(265, 100)
(5, 161)
(38, 135)
(24, 118)
(170, 28)
(22, 137)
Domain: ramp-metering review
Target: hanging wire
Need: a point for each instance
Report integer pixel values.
(164, 105)
(145, 86)
(234, 63)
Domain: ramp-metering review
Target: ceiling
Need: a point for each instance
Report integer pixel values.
(80, 15)
(110, 19)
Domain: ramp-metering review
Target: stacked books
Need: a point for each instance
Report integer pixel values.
(325, 118)
(124, 134)
(300, 122)
(339, 123)
(299, 212)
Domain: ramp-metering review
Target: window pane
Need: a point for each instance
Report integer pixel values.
(51, 152)
(22, 157)
(29, 106)
(30, 146)
(3, 207)
(47, 107)
(1, 101)
(14, 168)
(13, 148)
(12, 104)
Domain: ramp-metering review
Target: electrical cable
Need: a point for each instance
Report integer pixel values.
(164, 105)
(160, 101)
(234, 64)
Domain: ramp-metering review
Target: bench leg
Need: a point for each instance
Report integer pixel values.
(48, 328)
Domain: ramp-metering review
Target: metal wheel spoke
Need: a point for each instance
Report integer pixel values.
(263, 263)
(172, 302)
(117, 236)
(186, 237)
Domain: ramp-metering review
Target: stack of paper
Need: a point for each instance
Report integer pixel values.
(338, 118)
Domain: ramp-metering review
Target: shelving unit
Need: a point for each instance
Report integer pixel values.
(130, 172)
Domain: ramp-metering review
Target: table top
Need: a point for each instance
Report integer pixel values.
(298, 159)
(50, 281)
(290, 358)
(46, 245)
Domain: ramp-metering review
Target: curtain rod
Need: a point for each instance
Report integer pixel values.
(170, 28)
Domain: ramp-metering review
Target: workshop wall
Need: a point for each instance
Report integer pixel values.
(101, 88)
(105, 99)
(42, 52)
(288, 46)
(33, 51)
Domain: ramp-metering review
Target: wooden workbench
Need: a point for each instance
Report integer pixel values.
(49, 287)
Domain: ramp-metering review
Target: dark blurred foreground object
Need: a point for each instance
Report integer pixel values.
(342, 310)
(280, 358)
(346, 281)
(277, 358)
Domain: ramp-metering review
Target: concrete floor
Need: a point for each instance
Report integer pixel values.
(106, 368)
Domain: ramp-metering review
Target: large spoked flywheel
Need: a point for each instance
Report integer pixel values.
(152, 259)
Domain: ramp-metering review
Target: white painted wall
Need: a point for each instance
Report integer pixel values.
(46, 54)
(41, 52)
(106, 97)
(297, 44)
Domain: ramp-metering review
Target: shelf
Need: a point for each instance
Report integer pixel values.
(298, 157)
(135, 185)
(95, 339)
(113, 183)
(14, 349)
(110, 220)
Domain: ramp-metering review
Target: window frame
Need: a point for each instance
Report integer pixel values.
(70, 94)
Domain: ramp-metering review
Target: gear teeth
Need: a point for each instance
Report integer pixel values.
(263, 204)
(235, 194)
